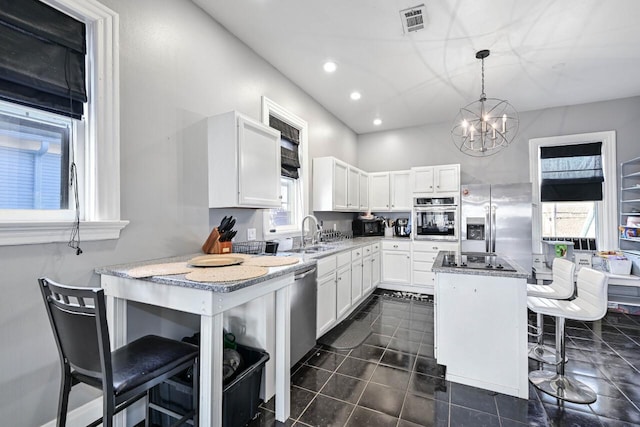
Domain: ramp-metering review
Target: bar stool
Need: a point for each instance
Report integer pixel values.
(589, 305)
(562, 287)
(79, 323)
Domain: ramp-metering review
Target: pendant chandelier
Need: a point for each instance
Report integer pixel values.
(485, 126)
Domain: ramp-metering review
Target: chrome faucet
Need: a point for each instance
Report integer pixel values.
(316, 231)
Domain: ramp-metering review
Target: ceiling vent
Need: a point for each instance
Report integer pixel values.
(412, 18)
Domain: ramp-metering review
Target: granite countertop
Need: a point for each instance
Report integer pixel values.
(439, 268)
(306, 260)
(180, 280)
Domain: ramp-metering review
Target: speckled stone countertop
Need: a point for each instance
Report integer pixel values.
(520, 272)
(306, 260)
(180, 280)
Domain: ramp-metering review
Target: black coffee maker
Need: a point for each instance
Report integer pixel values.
(402, 227)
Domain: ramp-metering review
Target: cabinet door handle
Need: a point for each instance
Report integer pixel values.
(395, 246)
(435, 248)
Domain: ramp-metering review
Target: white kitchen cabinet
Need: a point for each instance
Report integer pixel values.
(436, 179)
(424, 253)
(353, 188)
(336, 185)
(375, 267)
(356, 275)
(343, 283)
(343, 290)
(396, 262)
(327, 295)
(243, 161)
(400, 190)
(364, 191)
(366, 273)
(379, 191)
(390, 191)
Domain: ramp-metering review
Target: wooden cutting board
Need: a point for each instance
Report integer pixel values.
(272, 261)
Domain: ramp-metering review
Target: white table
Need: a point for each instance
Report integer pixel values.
(209, 302)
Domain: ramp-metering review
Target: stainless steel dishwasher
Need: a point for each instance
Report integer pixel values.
(303, 295)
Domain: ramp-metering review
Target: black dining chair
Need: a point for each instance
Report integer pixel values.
(79, 323)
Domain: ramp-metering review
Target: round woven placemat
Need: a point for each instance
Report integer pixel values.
(205, 258)
(272, 261)
(226, 274)
(160, 269)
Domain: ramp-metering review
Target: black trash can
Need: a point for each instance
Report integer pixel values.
(240, 397)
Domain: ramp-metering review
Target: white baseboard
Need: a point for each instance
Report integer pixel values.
(81, 416)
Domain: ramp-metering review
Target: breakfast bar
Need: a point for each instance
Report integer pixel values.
(481, 321)
(209, 300)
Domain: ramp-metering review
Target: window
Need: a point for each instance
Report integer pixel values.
(95, 139)
(34, 161)
(566, 182)
(288, 217)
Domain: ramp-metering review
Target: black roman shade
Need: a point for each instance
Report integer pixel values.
(42, 57)
(571, 173)
(290, 141)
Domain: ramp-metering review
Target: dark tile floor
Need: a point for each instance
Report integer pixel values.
(392, 379)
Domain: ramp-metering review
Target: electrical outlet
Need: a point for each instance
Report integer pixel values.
(251, 234)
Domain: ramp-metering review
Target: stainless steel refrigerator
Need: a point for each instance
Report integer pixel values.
(497, 219)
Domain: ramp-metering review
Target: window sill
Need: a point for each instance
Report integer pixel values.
(32, 232)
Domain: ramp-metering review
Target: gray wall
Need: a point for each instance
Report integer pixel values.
(431, 145)
(177, 66)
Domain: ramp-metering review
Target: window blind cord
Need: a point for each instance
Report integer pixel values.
(74, 238)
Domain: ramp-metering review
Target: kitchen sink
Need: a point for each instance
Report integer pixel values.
(312, 249)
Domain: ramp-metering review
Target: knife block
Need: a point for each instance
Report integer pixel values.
(213, 245)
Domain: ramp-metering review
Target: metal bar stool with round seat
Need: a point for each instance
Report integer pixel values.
(79, 323)
(590, 304)
(562, 287)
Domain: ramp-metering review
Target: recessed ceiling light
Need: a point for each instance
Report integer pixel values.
(355, 96)
(377, 122)
(330, 66)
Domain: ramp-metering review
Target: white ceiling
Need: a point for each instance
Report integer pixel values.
(544, 53)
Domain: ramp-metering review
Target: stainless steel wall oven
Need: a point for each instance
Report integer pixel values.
(435, 218)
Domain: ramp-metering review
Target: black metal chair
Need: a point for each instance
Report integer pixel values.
(78, 320)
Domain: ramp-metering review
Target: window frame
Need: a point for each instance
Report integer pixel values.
(606, 210)
(98, 155)
(271, 108)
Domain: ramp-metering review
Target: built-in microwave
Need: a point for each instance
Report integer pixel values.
(435, 218)
(367, 227)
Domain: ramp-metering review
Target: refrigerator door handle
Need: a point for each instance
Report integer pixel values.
(493, 229)
(487, 230)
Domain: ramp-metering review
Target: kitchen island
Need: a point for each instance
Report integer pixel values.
(209, 301)
(481, 321)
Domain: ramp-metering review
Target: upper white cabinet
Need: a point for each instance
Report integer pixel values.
(390, 191)
(336, 185)
(243, 161)
(379, 191)
(353, 188)
(364, 191)
(436, 179)
(401, 197)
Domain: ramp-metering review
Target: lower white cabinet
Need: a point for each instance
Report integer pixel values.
(343, 284)
(424, 253)
(343, 281)
(375, 267)
(343, 290)
(396, 262)
(327, 292)
(356, 276)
